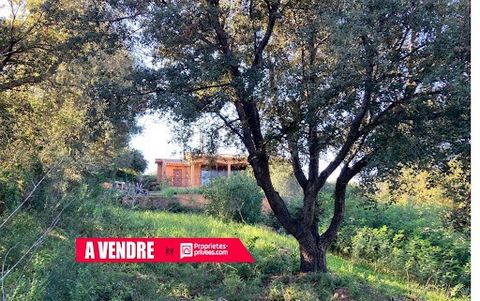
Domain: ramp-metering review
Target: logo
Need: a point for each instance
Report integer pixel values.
(149, 249)
(186, 250)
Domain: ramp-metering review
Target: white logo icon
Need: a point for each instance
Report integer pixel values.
(186, 250)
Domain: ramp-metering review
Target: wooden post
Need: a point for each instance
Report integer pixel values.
(159, 171)
(192, 173)
(229, 168)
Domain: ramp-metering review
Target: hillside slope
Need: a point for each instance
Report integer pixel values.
(273, 276)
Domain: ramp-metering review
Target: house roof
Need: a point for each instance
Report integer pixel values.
(172, 161)
(222, 159)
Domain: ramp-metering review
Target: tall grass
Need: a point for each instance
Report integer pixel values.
(52, 273)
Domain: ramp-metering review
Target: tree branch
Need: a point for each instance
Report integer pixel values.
(228, 123)
(346, 174)
(191, 90)
(296, 164)
(353, 133)
(273, 14)
(30, 79)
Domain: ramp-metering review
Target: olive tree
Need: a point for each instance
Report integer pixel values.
(365, 85)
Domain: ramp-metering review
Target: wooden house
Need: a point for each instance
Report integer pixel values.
(196, 171)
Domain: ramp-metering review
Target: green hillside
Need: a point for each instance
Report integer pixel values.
(53, 274)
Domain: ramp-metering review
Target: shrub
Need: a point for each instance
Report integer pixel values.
(235, 198)
(149, 182)
(430, 257)
(408, 237)
(373, 244)
(169, 192)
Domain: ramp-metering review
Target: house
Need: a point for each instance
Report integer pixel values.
(196, 171)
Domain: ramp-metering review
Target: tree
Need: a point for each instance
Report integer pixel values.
(66, 107)
(65, 94)
(36, 37)
(131, 159)
(367, 85)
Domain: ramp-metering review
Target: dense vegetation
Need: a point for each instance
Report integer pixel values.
(236, 198)
(405, 231)
(66, 115)
(52, 273)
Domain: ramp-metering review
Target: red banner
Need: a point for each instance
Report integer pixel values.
(182, 250)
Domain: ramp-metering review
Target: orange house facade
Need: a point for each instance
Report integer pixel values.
(196, 171)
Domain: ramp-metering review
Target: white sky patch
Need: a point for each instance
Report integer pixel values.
(4, 9)
(155, 141)
(8, 9)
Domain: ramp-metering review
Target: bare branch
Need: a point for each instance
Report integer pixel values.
(228, 123)
(37, 243)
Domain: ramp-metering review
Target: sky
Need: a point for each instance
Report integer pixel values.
(155, 141)
(3, 8)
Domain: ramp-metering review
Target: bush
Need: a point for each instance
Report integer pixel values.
(149, 182)
(169, 192)
(373, 244)
(408, 237)
(430, 256)
(235, 198)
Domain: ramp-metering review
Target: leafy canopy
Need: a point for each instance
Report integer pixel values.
(383, 79)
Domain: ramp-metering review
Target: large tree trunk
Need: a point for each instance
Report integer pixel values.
(313, 247)
(313, 256)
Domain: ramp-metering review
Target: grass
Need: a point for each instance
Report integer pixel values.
(196, 225)
(172, 191)
(53, 274)
(274, 275)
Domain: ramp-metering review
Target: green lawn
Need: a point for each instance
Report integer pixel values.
(273, 276)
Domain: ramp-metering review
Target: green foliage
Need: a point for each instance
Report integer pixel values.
(409, 238)
(52, 274)
(283, 180)
(413, 186)
(295, 206)
(457, 187)
(382, 81)
(372, 244)
(126, 174)
(306, 287)
(169, 192)
(427, 257)
(149, 182)
(131, 159)
(54, 125)
(401, 229)
(37, 36)
(63, 96)
(236, 197)
(375, 84)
